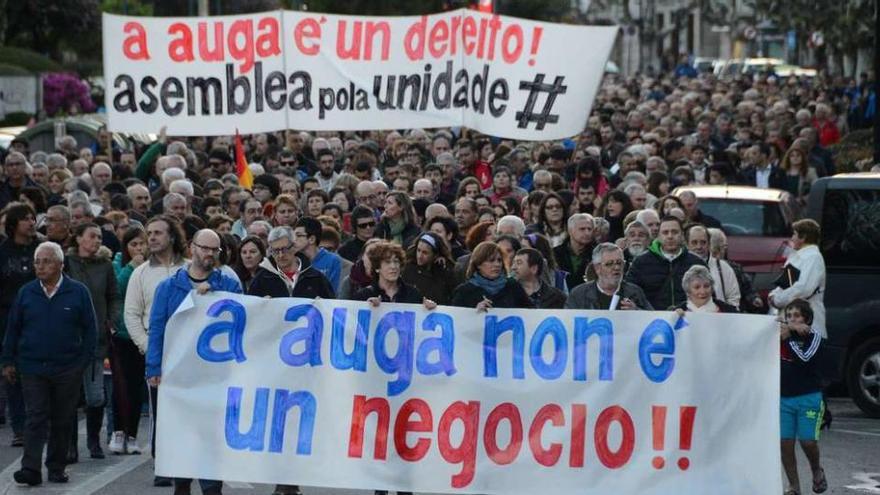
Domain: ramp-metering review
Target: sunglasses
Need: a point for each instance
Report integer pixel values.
(366, 225)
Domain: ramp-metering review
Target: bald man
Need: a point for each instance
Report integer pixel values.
(202, 273)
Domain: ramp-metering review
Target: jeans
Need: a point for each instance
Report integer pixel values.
(51, 406)
(128, 385)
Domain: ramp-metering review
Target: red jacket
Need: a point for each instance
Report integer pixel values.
(828, 132)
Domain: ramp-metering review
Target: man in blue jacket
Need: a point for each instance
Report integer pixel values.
(50, 336)
(200, 274)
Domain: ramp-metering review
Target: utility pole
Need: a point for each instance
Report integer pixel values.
(876, 79)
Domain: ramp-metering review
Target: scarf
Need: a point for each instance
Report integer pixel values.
(491, 287)
(709, 307)
(396, 227)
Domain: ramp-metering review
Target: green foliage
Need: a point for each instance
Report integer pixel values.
(127, 7)
(27, 60)
(13, 70)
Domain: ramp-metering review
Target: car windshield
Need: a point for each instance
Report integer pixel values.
(737, 217)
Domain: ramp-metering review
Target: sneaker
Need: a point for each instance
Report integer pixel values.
(131, 446)
(18, 440)
(117, 443)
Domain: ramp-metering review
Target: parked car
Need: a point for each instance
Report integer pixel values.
(847, 207)
(757, 222)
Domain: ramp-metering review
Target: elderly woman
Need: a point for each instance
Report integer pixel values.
(386, 265)
(698, 284)
(487, 285)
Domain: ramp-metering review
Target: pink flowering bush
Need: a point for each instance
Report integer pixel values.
(65, 93)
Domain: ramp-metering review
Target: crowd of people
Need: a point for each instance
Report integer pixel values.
(442, 217)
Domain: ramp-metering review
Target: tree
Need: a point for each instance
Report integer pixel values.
(542, 10)
(45, 26)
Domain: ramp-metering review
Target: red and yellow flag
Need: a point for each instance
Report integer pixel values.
(242, 170)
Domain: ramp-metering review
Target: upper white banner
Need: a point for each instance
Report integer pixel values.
(503, 76)
(338, 394)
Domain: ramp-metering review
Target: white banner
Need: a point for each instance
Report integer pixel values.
(504, 76)
(336, 394)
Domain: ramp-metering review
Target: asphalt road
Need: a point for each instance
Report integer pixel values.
(850, 454)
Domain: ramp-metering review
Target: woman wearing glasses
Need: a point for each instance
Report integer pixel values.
(552, 215)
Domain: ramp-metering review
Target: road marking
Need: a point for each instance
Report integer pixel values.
(239, 485)
(870, 483)
(106, 476)
(854, 432)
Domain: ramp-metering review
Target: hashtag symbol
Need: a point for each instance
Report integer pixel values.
(536, 87)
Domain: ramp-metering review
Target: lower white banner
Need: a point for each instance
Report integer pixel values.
(339, 394)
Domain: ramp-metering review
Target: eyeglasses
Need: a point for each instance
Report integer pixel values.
(288, 163)
(609, 264)
(366, 225)
(281, 250)
(214, 250)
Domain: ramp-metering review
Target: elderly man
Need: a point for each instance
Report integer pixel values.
(510, 225)
(175, 205)
(423, 189)
(659, 271)
(650, 219)
(57, 222)
(635, 241)
(608, 291)
(51, 335)
(140, 198)
(692, 209)
(203, 269)
(573, 255)
(725, 287)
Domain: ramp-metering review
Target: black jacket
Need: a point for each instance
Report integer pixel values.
(352, 250)
(563, 256)
(405, 294)
(707, 220)
(16, 269)
(548, 297)
(310, 283)
(748, 177)
(723, 307)
(436, 282)
(660, 278)
(467, 295)
(586, 296)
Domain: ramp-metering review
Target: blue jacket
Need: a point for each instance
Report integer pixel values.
(45, 336)
(169, 294)
(330, 264)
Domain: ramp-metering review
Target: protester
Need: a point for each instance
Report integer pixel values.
(698, 283)
(165, 244)
(726, 287)
(126, 361)
(398, 222)
(801, 388)
(609, 291)
(89, 263)
(573, 255)
(200, 274)
(487, 286)
(659, 271)
(803, 276)
(50, 340)
(528, 267)
(430, 268)
(251, 252)
(16, 269)
(386, 260)
(287, 272)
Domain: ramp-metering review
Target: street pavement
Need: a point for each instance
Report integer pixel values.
(850, 454)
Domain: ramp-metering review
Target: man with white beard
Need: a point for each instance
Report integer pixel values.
(636, 239)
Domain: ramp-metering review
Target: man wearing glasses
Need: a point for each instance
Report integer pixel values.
(363, 221)
(15, 170)
(202, 273)
(608, 291)
(287, 273)
(219, 162)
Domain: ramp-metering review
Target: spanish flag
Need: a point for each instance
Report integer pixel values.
(245, 178)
